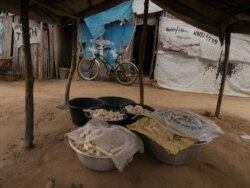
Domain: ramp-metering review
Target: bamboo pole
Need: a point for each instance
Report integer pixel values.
(142, 50)
(29, 79)
(223, 78)
(73, 62)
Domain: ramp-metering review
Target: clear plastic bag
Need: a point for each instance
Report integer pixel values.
(189, 124)
(117, 142)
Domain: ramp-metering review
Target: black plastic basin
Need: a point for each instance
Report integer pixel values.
(116, 102)
(77, 105)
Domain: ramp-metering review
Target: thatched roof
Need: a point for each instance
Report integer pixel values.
(213, 16)
(59, 11)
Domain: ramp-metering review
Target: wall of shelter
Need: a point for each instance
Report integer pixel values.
(46, 54)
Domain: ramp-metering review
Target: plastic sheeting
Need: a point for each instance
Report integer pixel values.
(96, 23)
(178, 72)
(109, 137)
(176, 35)
(240, 48)
(1, 29)
(188, 123)
(1, 36)
(114, 25)
(191, 60)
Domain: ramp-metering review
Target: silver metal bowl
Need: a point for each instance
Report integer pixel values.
(93, 162)
(183, 157)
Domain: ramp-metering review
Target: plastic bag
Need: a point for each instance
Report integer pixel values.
(159, 133)
(117, 142)
(189, 124)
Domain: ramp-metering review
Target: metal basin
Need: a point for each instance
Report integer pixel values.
(183, 157)
(93, 162)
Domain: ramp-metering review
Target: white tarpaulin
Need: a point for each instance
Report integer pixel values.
(179, 36)
(179, 72)
(191, 60)
(240, 48)
(35, 34)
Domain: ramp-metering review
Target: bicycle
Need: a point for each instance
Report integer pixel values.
(7, 69)
(124, 71)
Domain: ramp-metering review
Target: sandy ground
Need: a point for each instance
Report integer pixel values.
(223, 163)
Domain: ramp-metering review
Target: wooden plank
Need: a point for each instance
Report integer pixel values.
(51, 52)
(15, 49)
(56, 49)
(46, 55)
(7, 35)
(41, 57)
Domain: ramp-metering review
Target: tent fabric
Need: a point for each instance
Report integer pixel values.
(138, 7)
(211, 16)
(116, 30)
(190, 62)
(240, 48)
(1, 29)
(194, 74)
(1, 36)
(176, 35)
(96, 23)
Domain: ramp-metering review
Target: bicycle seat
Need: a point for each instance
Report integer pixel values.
(120, 53)
(107, 48)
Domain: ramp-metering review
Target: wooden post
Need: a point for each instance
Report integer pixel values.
(142, 50)
(73, 61)
(223, 78)
(29, 79)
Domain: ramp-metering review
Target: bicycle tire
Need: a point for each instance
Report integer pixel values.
(88, 69)
(126, 73)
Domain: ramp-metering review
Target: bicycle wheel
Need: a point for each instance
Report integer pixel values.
(126, 73)
(88, 69)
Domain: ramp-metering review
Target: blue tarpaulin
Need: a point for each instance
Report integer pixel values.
(1, 37)
(114, 25)
(96, 23)
(1, 29)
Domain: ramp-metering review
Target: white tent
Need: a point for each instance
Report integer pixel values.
(138, 7)
(189, 59)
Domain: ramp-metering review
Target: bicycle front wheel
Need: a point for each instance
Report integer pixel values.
(88, 69)
(126, 73)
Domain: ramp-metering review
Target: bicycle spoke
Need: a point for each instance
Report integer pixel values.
(88, 70)
(126, 73)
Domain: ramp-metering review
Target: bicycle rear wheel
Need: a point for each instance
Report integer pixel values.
(88, 69)
(126, 73)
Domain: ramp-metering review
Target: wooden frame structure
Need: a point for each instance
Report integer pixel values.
(218, 17)
(51, 11)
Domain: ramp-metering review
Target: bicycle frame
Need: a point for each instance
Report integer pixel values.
(109, 68)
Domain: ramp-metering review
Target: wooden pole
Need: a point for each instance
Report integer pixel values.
(73, 62)
(223, 78)
(29, 79)
(142, 50)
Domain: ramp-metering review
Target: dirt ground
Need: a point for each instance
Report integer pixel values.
(223, 163)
